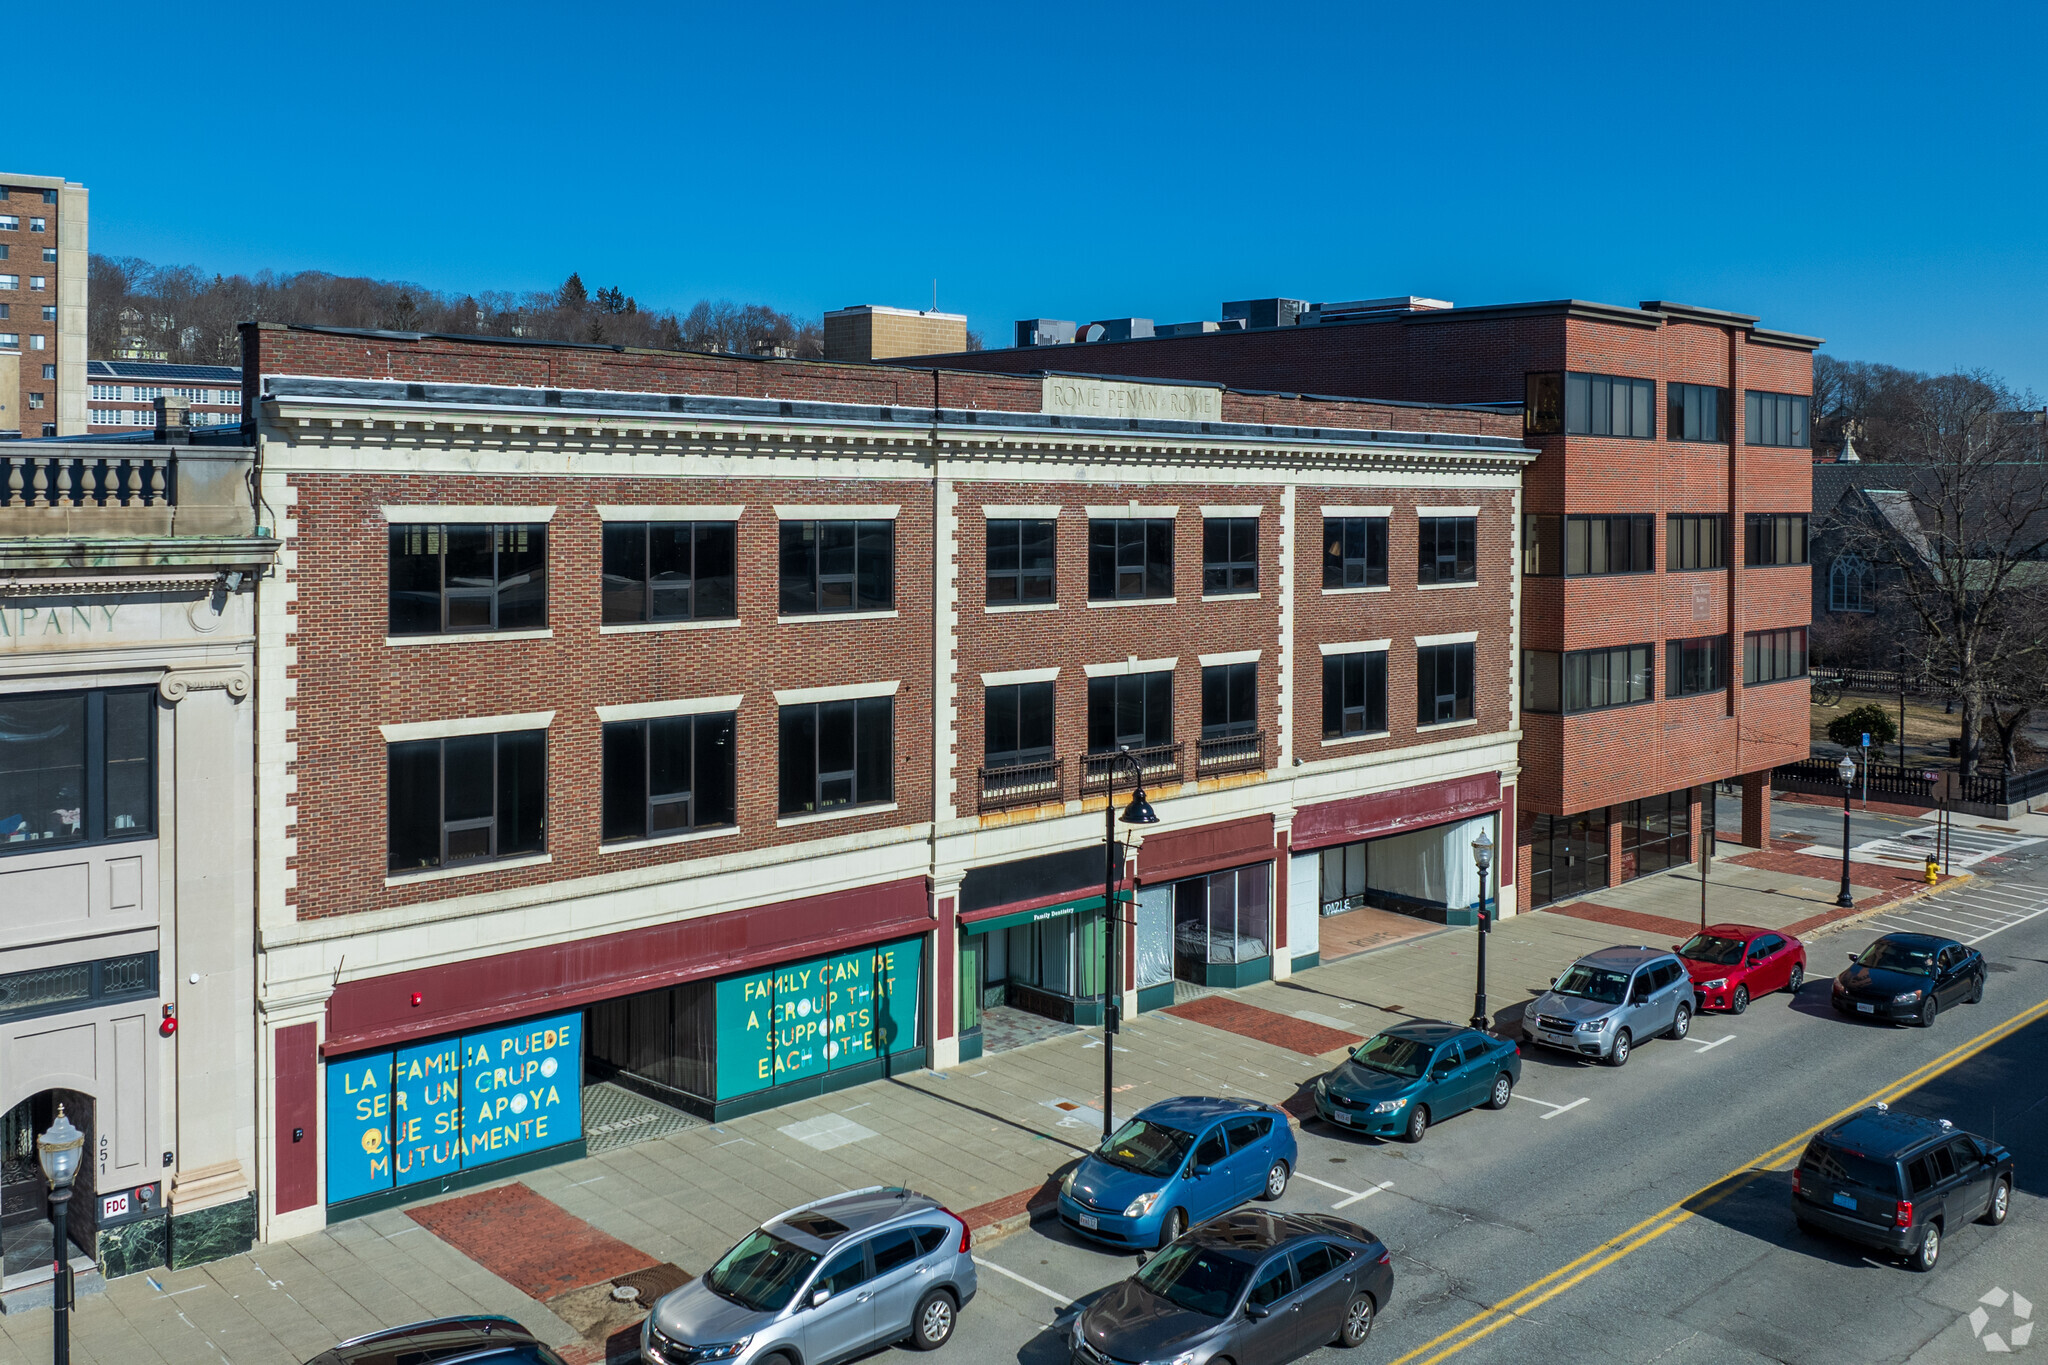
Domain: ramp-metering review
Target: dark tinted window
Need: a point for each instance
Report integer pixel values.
(931, 1239)
(668, 774)
(1354, 552)
(1230, 555)
(1696, 412)
(1542, 545)
(1020, 562)
(460, 800)
(1696, 666)
(1230, 700)
(1448, 549)
(1608, 405)
(894, 1249)
(847, 1270)
(467, 577)
(1246, 1132)
(1944, 1163)
(1443, 680)
(1597, 678)
(1775, 419)
(836, 753)
(1312, 1263)
(1695, 542)
(1274, 1282)
(1199, 1279)
(1919, 1175)
(1775, 537)
(1212, 1148)
(1768, 655)
(1130, 558)
(1964, 1152)
(669, 571)
(829, 566)
(1135, 709)
(1599, 545)
(1850, 1167)
(76, 767)
(1017, 723)
(1354, 694)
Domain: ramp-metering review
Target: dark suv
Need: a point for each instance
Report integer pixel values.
(479, 1340)
(1898, 1182)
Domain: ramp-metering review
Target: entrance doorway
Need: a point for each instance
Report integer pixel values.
(25, 1230)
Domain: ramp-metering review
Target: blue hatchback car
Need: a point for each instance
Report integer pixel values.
(1179, 1162)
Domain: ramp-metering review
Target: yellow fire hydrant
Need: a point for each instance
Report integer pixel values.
(1933, 872)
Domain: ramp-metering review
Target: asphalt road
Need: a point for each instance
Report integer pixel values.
(1623, 1215)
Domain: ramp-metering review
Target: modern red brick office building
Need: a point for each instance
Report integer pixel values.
(1663, 541)
(732, 730)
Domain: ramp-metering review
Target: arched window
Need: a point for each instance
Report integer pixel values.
(1849, 583)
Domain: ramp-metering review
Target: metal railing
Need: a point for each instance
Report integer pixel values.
(1994, 788)
(1023, 784)
(1155, 762)
(147, 478)
(1230, 753)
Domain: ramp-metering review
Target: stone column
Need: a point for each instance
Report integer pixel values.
(1614, 830)
(1756, 809)
(945, 1015)
(1696, 831)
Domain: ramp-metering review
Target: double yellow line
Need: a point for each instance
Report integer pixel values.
(1481, 1325)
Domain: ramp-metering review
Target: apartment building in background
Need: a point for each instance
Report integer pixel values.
(121, 394)
(1663, 540)
(43, 251)
(719, 731)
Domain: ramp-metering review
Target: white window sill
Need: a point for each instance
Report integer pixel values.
(1376, 734)
(1344, 592)
(649, 627)
(1447, 725)
(1007, 608)
(1231, 596)
(1135, 602)
(811, 617)
(475, 869)
(663, 841)
(842, 813)
(469, 637)
(1428, 587)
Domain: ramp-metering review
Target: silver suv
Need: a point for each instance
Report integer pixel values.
(824, 1281)
(1609, 1001)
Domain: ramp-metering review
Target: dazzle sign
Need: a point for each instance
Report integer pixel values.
(399, 1117)
(805, 1018)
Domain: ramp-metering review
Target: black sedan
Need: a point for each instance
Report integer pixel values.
(481, 1340)
(1910, 978)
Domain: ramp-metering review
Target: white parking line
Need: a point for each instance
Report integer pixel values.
(1061, 1299)
(1304, 1175)
(1555, 1109)
(1363, 1194)
(1709, 1047)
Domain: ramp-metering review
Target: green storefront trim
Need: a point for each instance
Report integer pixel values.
(821, 1083)
(1230, 975)
(1308, 960)
(1155, 997)
(459, 1179)
(1083, 906)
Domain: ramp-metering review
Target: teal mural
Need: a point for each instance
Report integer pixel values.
(795, 1021)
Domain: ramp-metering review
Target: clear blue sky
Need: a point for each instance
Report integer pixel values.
(1871, 173)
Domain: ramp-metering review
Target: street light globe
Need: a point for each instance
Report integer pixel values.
(1847, 768)
(1139, 811)
(1482, 851)
(58, 1150)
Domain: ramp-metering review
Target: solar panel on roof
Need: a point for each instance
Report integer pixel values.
(151, 369)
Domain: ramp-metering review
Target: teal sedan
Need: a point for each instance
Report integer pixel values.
(1398, 1082)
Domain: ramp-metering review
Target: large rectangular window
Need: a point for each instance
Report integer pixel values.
(670, 571)
(1017, 724)
(1354, 694)
(1609, 544)
(1696, 412)
(77, 767)
(1696, 666)
(1695, 542)
(668, 775)
(1569, 855)
(1230, 555)
(1354, 552)
(1020, 562)
(833, 566)
(1448, 549)
(1609, 405)
(1599, 678)
(463, 577)
(837, 753)
(1443, 684)
(1542, 545)
(1775, 537)
(1230, 700)
(1130, 558)
(1133, 710)
(1769, 655)
(466, 799)
(1775, 419)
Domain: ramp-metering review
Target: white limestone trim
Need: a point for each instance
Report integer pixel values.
(945, 657)
(1232, 596)
(467, 725)
(688, 706)
(1248, 509)
(844, 813)
(1135, 602)
(1129, 666)
(1284, 678)
(469, 637)
(427, 514)
(648, 627)
(1448, 724)
(1340, 592)
(1435, 587)
(1447, 511)
(1131, 512)
(1330, 510)
(1049, 511)
(442, 874)
(663, 841)
(671, 512)
(1235, 656)
(809, 616)
(1463, 637)
(1020, 606)
(1019, 675)
(1329, 647)
(804, 696)
(837, 511)
(1356, 739)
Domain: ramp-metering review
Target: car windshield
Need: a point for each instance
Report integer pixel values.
(1593, 983)
(762, 1273)
(1402, 1057)
(1147, 1148)
(1713, 950)
(1200, 1279)
(1888, 954)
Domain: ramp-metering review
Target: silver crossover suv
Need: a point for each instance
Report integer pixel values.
(1609, 1001)
(825, 1281)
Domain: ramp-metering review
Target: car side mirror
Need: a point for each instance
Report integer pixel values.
(1852, 956)
(1440, 1073)
(818, 1297)
(1199, 1171)
(1255, 1311)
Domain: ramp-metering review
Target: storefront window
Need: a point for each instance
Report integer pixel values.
(1223, 919)
(1569, 855)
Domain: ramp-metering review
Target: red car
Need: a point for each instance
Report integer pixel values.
(1732, 964)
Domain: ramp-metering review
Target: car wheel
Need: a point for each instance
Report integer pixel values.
(1357, 1322)
(1681, 1023)
(1928, 1010)
(1172, 1226)
(1276, 1181)
(932, 1325)
(1929, 1251)
(1617, 1055)
(1418, 1123)
(2001, 1203)
(1503, 1091)
(1796, 980)
(1739, 1001)
(1977, 991)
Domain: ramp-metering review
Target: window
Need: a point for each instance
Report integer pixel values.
(5, 309)
(465, 799)
(10, 281)
(1849, 584)
(37, 225)
(1230, 555)
(1542, 545)
(100, 392)
(1776, 538)
(4, 250)
(1020, 562)
(669, 571)
(468, 577)
(1354, 694)
(1273, 1284)
(1443, 678)
(830, 566)
(1543, 404)
(1132, 710)
(35, 399)
(9, 223)
(77, 767)
(1230, 700)
(1696, 412)
(1768, 655)
(1017, 724)
(49, 254)
(1354, 552)
(49, 371)
(1599, 678)
(846, 1271)
(36, 283)
(1775, 419)
(49, 312)
(49, 196)
(10, 339)
(1568, 854)
(1609, 544)
(1695, 542)
(1697, 666)
(1448, 549)
(894, 1249)
(1608, 405)
(77, 986)
(1313, 1262)
(1247, 1133)
(668, 775)
(837, 753)
(37, 342)
(1130, 558)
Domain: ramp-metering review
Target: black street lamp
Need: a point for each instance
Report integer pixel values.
(1847, 768)
(58, 1150)
(1482, 857)
(1139, 812)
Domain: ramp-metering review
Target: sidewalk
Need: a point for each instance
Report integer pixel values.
(987, 1139)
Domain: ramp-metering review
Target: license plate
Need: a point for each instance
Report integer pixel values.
(1846, 1201)
(1340, 1115)
(1090, 1221)
(1862, 1008)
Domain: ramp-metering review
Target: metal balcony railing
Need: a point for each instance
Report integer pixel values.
(1156, 762)
(1023, 784)
(1230, 753)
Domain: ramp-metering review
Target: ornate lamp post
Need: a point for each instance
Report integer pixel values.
(58, 1150)
(1482, 858)
(1847, 768)
(1138, 812)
